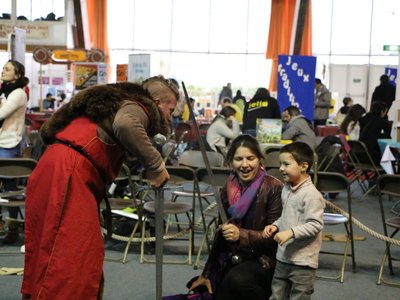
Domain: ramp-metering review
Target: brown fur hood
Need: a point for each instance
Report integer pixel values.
(101, 102)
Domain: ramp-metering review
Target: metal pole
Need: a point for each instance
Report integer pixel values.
(159, 215)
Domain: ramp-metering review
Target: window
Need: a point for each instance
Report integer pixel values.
(6, 10)
(40, 10)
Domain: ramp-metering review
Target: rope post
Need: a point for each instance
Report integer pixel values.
(159, 215)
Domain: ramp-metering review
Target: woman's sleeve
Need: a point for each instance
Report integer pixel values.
(14, 101)
(227, 132)
(273, 210)
(130, 124)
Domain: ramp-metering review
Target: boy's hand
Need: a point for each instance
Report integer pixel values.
(283, 236)
(269, 230)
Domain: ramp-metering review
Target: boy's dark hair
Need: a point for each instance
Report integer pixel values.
(301, 152)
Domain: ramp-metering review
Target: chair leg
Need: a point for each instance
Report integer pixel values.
(350, 234)
(124, 258)
(203, 241)
(368, 191)
(379, 281)
(387, 256)
(142, 235)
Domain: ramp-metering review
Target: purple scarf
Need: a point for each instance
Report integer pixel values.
(240, 199)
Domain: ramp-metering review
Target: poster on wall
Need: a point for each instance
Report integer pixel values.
(392, 74)
(89, 74)
(138, 67)
(122, 72)
(296, 83)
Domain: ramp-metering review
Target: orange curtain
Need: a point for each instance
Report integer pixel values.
(97, 23)
(280, 31)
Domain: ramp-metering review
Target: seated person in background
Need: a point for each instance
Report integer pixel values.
(241, 262)
(298, 128)
(342, 113)
(226, 101)
(48, 102)
(373, 126)
(62, 100)
(219, 130)
(350, 125)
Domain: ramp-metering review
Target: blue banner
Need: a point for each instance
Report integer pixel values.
(296, 83)
(392, 73)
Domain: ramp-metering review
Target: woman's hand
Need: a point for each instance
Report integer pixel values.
(201, 280)
(230, 232)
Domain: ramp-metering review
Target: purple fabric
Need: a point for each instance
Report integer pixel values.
(240, 199)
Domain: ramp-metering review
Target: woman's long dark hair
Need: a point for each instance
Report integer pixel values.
(227, 111)
(8, 87)
(246, 141)
(355, 113)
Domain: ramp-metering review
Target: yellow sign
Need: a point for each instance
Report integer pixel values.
(69, 55)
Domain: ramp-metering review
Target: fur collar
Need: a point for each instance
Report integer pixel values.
(100, 103)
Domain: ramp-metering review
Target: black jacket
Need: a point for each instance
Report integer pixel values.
(260, 109)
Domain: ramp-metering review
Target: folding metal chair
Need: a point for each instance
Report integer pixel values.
(15, 168)
(179, 175)
(194, 159)
(330, 182)
(388, 185)
(363, 161)
(219, 179)
(120, 203)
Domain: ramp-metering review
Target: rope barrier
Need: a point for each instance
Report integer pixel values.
(360, 225)
(337, 209)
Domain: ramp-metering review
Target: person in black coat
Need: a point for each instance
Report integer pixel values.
(385, 92)
(261, 106)
(374, 126)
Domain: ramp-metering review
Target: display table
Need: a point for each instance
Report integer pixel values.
(37, 119)
(325, 130)
(390, 156)
(383, 143)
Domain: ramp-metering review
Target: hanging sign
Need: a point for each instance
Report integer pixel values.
(296, 83)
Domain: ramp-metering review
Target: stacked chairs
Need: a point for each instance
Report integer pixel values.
(19, 169)
(194, 159)
(330, 182)
(271, 162)
(388, 185)
(179, 175)
(189, 162)
(119, 202)
(363, 161)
